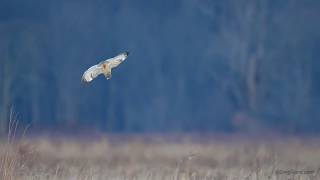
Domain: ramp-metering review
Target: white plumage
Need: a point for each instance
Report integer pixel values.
(104, 67)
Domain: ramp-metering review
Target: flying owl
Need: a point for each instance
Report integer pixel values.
(104, 67)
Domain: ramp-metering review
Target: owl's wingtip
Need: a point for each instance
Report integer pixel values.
(83, 81)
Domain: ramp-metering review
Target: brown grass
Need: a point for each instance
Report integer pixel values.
(8, 160)
(160, 158)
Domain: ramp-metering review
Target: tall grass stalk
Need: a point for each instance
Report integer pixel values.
(9, 162)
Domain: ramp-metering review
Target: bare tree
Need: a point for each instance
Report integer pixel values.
(241, 41)
(264, 79)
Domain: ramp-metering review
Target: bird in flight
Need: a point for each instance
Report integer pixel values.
(104, 67)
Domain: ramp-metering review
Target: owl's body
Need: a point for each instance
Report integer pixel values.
(104, 67)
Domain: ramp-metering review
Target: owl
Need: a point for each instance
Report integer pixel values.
(104, 67)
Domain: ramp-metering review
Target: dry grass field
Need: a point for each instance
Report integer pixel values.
(156, 157)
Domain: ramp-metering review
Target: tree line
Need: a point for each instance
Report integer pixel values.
(193, 66)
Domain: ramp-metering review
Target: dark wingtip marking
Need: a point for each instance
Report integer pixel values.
(83, 81)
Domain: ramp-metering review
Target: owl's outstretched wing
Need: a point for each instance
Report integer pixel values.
(115, 61)
(92, 73)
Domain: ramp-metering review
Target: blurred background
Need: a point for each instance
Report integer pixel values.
(194, 65)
